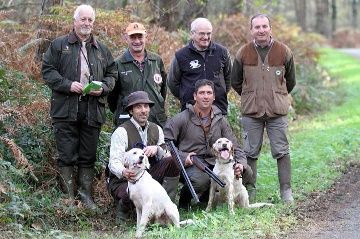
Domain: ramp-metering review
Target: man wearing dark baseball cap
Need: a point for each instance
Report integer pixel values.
(139, 70)
(138, 132)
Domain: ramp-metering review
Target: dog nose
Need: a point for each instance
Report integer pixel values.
(141, 158)
(224, 145)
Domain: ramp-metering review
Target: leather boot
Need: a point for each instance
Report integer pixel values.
(284, 173)
(86, 177)
(170, 185)
(250, 182)
(67, 182)
(123, 212)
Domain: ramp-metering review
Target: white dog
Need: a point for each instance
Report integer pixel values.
(151, 200)
(234, 191)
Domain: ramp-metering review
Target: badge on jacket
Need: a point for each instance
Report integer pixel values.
(157, 78)
(194, 64)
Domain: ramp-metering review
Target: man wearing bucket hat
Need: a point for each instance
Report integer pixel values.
(138, 132)
(139, 69)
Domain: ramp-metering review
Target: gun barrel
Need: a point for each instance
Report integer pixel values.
(176, 156)
(208, 171)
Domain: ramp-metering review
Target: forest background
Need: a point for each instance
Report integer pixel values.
(28, 173)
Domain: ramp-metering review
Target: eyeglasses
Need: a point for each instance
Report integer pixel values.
(202, 34)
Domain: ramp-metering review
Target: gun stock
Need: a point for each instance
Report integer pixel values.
(175, 155)
(205, 169)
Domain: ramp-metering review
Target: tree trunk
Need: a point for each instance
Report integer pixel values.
(43, 45)
(167, 14)
(322, 17)
(300, 10)
(333, 15)
(354, 14)
(195, 9)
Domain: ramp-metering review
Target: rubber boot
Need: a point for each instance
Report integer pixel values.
(250, 183)
(185, 198)
(86, 177)
(284, 173)
(170, 185)
(123, 212)
(67, 182)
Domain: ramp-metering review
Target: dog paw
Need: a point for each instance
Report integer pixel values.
(208, 209)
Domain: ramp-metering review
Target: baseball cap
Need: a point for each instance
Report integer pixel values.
(135, 28)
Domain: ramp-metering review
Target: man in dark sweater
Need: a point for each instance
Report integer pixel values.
(200, 59)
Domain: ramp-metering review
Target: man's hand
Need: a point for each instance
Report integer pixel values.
(128, 174)
(76, 87)
(96, 92)
(188, 160)
(238, 169)
(150, 151)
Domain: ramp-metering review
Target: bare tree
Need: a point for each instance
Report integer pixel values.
(322, 17)
(300, 10)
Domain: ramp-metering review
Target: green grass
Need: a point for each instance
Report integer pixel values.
(320, 148)
(321, 145)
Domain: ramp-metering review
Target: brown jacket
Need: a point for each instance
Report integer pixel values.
(264, 86)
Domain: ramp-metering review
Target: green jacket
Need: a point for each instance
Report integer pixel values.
(131, 79)
(61, 67)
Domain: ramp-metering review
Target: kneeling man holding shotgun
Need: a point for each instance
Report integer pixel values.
(193, 132)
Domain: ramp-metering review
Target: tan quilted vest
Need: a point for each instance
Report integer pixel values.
(264, 86)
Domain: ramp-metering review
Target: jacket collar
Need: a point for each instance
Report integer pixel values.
(73, 38)
(211, 47)
(127, 57)
(214, 112)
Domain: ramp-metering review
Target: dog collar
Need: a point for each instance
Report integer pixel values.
(230, 161)
(135, 181)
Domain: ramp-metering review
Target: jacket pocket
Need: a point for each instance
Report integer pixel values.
(59, 105)
(248, 103)
(281, 102)
(100, 111)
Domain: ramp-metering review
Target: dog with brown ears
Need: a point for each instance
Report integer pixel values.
(234, 192)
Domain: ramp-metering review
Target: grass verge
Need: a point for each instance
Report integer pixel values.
(320, 148)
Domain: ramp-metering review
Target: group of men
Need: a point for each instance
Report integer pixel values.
(135, 88)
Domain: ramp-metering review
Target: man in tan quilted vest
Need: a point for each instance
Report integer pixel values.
(264, 74)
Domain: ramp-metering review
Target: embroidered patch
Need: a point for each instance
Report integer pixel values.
(194, 64)
(157, 78)
(126, 72)
(65, 50)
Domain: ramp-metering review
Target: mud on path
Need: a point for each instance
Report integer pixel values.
(334, 213)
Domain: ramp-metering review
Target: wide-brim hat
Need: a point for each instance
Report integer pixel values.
(138, 97)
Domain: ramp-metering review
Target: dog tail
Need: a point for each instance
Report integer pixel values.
(186, 222)
(260, 204)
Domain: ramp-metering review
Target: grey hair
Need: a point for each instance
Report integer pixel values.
(197, 22)
(83, 7)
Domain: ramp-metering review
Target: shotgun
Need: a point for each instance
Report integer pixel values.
(196, 161)
(175, 155)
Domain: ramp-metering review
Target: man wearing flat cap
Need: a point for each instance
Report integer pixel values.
(138, 132)
(139, 69)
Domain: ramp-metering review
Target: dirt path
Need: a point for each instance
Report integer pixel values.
(334, 213)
